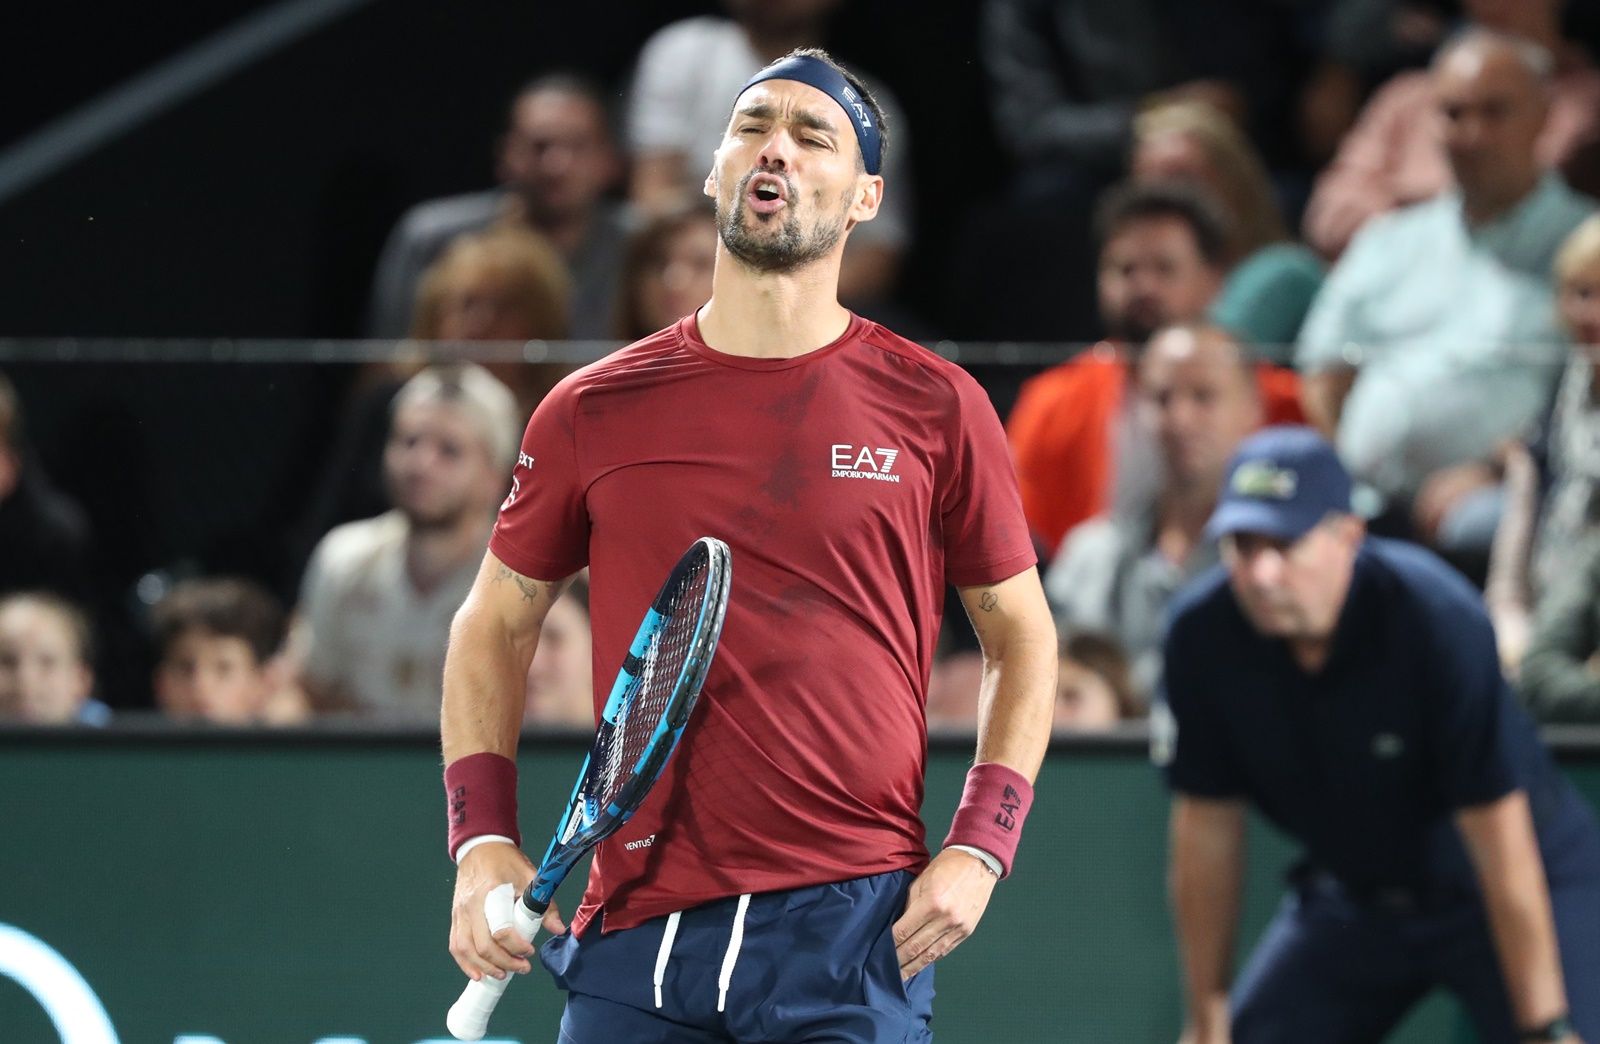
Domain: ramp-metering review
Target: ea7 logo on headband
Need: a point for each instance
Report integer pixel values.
(855, 103)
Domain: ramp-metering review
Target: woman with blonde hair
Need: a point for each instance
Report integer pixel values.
(1552, 486)
(1271, 281)
(502, 284)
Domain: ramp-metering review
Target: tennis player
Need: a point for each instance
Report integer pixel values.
(775, 885)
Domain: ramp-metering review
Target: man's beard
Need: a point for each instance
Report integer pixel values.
(785, 252)
(437, 520)
(437, 517)
(1133, 326)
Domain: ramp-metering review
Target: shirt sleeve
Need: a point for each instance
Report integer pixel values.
(1332, 324)
(1358, 183)
(1187, 740)
(985, 536)
(1472, 760)
(322, 655)
(1557, 683)
(394, 286)
(1035, 118)
(543, 528)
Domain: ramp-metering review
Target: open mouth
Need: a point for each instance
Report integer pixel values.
(766, 194)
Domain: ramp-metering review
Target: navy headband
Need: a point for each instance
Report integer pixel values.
(817, 73)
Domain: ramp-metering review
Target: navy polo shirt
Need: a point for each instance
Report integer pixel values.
(1365, 761)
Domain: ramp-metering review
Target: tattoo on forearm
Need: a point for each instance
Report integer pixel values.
(988, 601)
(529, 588)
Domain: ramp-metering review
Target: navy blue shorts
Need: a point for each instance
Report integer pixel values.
(813, 964)
(1329, 969)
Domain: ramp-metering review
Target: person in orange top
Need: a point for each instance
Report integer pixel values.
(1074, 440)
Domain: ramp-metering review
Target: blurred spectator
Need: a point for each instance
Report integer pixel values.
(1068, 76)
(1115, 574)
(1162, 256)
(1093, 689)
(46, 662)
(43, 533)
(501, 284)
(666, 272)
(1363, 43)
(219, 646)
(1271, 281)
(561, 677)
(1552, 487)
(557, 161)
(377, 599)
(1560, 674)
(1394, 155)
(679, 113)
(1433, 339)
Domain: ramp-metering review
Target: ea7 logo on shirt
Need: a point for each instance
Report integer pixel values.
(864, 463)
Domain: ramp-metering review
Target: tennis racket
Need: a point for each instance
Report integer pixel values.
(642, 721)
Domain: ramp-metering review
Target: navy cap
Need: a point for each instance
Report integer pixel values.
(1281, 482)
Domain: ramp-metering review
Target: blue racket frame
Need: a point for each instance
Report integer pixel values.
(584, 823)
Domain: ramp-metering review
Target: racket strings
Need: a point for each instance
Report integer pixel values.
(652, 694)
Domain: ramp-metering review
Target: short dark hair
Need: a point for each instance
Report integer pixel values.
(566, 81)
(1104, 655)
(860, 88)
(77, 620)
(1129, 202)
(227, 607)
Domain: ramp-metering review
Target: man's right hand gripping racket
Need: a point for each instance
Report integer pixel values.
(642, 721)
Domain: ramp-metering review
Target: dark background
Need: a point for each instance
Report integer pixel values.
(258, 208)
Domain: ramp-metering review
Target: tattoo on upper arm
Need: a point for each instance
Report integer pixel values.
(988, 601)
(529, 588)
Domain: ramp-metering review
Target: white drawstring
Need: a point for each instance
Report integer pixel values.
(665, 952)
(732, 956)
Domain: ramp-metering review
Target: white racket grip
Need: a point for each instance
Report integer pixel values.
(468, 1017)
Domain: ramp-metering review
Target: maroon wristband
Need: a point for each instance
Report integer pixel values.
(993, 805)
(481, 798)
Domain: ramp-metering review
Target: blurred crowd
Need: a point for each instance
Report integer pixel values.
(1396, 246)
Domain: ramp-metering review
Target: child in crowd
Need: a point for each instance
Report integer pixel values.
(560, 689)
(46, 657)
(219, 645)
(1094, 688)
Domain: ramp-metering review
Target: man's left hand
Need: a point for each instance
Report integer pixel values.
(947, 900)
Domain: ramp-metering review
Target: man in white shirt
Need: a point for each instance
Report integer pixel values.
(1434, 338)
(377, 598)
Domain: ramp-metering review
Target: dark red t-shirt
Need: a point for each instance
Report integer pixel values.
(852, 483)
